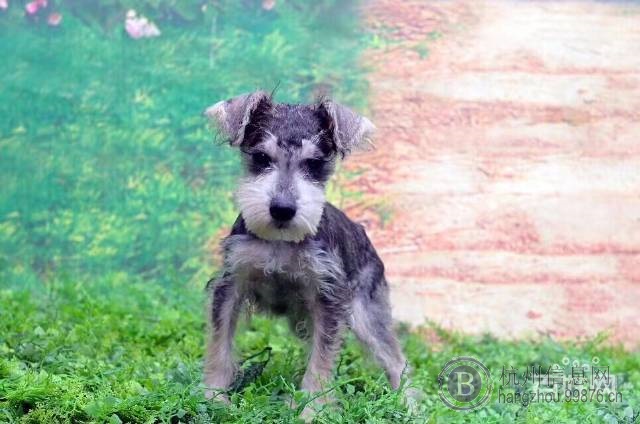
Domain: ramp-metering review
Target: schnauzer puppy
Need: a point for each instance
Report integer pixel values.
(290, 252)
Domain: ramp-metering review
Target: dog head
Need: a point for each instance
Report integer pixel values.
(289, 152)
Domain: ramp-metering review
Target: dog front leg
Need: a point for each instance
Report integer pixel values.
(219, 366)
(329, 319)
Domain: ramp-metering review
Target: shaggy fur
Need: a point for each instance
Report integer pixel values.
(290, 252)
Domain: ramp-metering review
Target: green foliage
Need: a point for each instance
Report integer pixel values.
(107, 165)
(123, 351)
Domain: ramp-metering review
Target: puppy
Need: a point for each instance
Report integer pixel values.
(290, 252)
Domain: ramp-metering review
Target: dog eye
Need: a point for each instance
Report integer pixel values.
(317, 169)
(314, 165)
(261, 159)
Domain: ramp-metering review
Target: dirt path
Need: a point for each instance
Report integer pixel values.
(509, 159)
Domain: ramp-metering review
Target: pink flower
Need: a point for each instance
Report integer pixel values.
(33, 6)
(139, 26)
(268, 4)
(54, 19)
(4, 4)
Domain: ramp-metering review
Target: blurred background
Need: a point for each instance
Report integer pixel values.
(108, 168)
(504, 193)
(503, 197)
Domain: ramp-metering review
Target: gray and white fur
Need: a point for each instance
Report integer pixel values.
(290, 252)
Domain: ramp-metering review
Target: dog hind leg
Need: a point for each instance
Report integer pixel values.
(371, 322)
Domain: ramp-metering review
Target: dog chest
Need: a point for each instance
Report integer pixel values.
(276, 276)
(246, 255)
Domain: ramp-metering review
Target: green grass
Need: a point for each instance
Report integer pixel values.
(114, 351)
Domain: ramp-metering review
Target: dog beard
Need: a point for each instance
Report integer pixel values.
(254, 198)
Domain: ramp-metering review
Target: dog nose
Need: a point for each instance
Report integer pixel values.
(282, 211)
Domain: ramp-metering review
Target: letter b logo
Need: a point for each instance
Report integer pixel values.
(460, 375)
(465, 384)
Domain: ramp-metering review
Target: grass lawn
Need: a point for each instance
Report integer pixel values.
(116, 351)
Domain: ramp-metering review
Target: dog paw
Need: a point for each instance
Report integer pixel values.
(308, 414)
(412, 398)
(217, 395)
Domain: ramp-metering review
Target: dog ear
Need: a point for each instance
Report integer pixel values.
(350, 131)
(232, 116)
